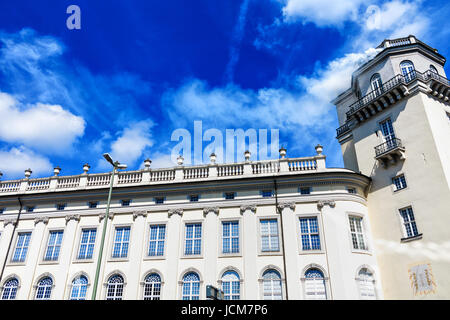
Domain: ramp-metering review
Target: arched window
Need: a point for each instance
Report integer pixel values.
(10, 289)
(79, 288)
(115, 288)
(433, 69)
(366, 284)
(152, 287)
(376, 83)
(272, 285)
(231, 285)
(191, 286)
(315, 285)
(44, 289)
(407, 69)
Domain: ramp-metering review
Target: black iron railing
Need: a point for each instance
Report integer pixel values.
(389, 145)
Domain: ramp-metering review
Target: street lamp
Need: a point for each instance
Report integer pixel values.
(116, 165)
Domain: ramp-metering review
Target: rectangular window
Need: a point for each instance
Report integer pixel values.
(53, 245)
(2, 210)
(305, 190)
(409, 222)
(60, 206)
(23, 241)
(269, 235)
(357, 233)
(230, 195)
(159, 200)
(230, 236)
(351, 190)
(399, 182)
(87, 243)
(121, 242)
(309, 232)
(125, 203)
(193, 239)
(157, 236)
(193, 198)
(266, 193)
(93, 204)
(30, 209)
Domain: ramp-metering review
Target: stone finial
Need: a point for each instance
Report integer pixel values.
(28, 173)
(213, 158)
(282, 152)
(247, 155)
(251, 207)
(180, 160)
(56, 170)
(319, 149)
(86, 168)
(147, 163)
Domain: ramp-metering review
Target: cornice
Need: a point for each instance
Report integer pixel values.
(102, 215)
(43, 219)
(140, 213)
(178, 211)
(207, 210)
(322, 203)
(248, 207)
(284, 205)
(75, 217)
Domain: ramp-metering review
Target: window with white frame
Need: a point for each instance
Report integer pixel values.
(20, 252)
(407, 69)
(230, 236)
(376, 83)
(191, 286)
(193, 239)
(387, 132)
(93, 204)
(152, 287)
(267, 193)
(269, 235)
(309, 233)
(79, 288)
(10, 289)
(357, 232)
(315, 285)
(351, 190)
(366, 284)
(156, 243)
(272, 285)
(53, 245)
(44, 289)
(305, 190)
(409, 222)
(114, 290)
(87, 244)
(399, 182)
(231, 285)
(125, 203)
(121, 242)
(60, 206)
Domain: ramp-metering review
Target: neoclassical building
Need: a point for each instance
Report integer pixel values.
(289, 228)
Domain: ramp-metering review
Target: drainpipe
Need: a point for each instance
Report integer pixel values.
(282, 237)
(11, 239)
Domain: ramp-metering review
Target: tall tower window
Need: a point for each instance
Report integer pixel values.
(409, 222)
(376, 84)
(407, 69)
(387, 131)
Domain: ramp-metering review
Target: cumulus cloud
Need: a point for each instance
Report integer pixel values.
(130, 144)
(49, 128)
(14, 161)
(321, 12)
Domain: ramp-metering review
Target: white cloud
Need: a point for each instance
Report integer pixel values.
(48, 128)
(129, 147)
(321, 12)
(15, 161)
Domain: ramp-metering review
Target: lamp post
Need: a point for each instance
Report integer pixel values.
(116, 165)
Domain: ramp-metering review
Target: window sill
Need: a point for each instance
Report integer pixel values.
(118, 259)
(83, 261)
(311, 252)
(230, 255)
(193, 256)
(163, 257)
(269, 253)
(408, 239)
(361, 251)
(47, 262)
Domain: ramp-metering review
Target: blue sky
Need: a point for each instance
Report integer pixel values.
(138, 70)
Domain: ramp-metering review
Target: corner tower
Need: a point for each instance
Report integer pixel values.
(395, 128)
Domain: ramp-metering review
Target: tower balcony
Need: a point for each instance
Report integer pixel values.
(390, 152)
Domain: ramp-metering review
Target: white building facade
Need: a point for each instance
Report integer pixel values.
(282, 229)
